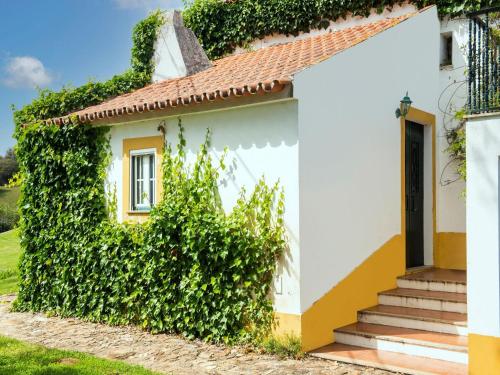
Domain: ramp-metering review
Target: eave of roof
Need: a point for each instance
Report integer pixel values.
(92, 114)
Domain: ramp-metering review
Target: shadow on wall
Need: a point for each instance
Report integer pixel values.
(261, 141)
(273, 125)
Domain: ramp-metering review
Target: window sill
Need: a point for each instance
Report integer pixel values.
(138, 213)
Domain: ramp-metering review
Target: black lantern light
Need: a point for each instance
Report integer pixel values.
(404, 107)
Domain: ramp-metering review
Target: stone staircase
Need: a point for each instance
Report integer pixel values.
(418, 328)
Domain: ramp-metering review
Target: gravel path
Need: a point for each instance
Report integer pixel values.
(163, 353)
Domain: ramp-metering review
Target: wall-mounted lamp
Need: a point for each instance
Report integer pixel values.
(404, 107)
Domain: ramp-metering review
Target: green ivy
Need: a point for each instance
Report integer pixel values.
(144, 38)
(51, 104)
(456, 144)
(191, 269)
(221, 26)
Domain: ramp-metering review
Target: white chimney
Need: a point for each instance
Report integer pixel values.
(177, 51)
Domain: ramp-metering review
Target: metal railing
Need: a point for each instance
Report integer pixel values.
(484, 61)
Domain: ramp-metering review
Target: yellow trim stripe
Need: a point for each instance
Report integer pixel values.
(359, 290)
(287, 324)
(484, 355)
(450, 251)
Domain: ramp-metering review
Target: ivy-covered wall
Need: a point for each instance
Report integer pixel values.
(192, 269)
(222, 26)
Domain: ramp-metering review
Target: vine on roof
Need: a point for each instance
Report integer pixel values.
(222, 25)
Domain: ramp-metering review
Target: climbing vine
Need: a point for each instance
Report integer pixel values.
(144, 37)
(192, 268)
(222, 26)
(456, 144)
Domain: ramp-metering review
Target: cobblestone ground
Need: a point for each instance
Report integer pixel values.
(163, 353)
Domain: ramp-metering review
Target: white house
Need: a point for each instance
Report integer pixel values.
(367, 213)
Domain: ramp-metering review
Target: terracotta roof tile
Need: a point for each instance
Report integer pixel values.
(268, 69)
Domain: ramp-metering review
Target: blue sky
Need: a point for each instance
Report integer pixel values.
(52, 43)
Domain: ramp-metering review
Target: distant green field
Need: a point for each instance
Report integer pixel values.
(9, 197)
(8, 208)
(21, 358)
(9, 257)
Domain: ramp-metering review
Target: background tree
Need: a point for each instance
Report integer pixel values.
(8, 166)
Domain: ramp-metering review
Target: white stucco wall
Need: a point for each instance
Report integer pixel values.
(262, 141)
(483, 207)
(350, 147)
(450, 215)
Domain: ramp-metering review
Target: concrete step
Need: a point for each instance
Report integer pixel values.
(435, 279)
(441, 346)
(389, 361)
(424, 299)
(405, 317)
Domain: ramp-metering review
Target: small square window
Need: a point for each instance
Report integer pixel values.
(143, 179)
(446, 57)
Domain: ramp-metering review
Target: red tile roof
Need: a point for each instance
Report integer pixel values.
(267, 69)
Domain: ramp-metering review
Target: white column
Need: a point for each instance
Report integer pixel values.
(483, 209)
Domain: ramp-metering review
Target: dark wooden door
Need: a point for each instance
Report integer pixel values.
(414, 195)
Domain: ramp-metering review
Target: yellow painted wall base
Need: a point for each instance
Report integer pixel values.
(287, 324)
(357, 291)
(450, 251)
(484, 355)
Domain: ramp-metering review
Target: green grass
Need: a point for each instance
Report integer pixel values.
(285, 346)
(9, 258)
(20, 358)
(9, 197)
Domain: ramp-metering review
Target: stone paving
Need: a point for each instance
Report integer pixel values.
(164, 353)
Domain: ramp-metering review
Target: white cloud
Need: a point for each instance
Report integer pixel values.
(26, 71)
(149, 4)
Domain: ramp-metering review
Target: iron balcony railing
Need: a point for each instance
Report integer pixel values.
(484, 61)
